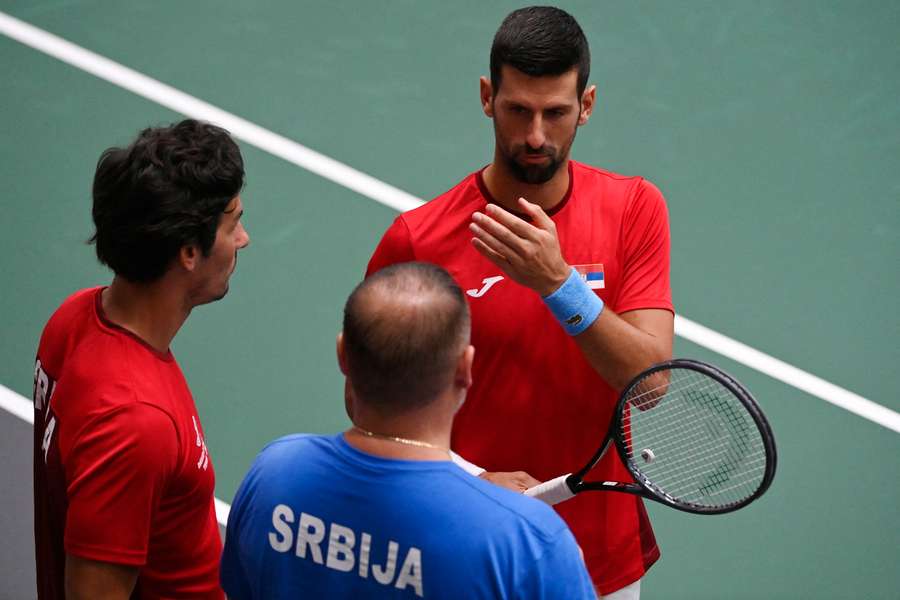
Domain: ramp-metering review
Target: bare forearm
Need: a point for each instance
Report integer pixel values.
(619, 347)
(93, 580)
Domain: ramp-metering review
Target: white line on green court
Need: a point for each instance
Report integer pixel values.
(17, 405)
(397, 199)
(185, 104)
(789, 374)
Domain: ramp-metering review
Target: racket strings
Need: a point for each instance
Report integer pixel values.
(696, 449)
(692, 439)
(677, 386)
(682, 468)
(679, 457)
(690, 469)
(643, 398)
(673, 486)
(688, 431)
(693, 480)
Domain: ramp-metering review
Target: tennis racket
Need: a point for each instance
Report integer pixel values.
(691, 436)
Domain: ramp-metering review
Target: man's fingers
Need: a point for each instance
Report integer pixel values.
(490, 254)
(517, 225)
(517, 481)
(490, 241)
(537, 214)
(499, 231)
(527, 480)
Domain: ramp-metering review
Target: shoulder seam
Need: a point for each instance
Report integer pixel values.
(606, 173)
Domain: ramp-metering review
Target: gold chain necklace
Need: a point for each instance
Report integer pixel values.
(398, 440)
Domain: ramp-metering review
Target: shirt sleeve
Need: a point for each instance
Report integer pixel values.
(233, 572)
(645, 246)
(395, 247)
(116, 471)
(560, 572)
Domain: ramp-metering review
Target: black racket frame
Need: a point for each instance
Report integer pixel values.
(644, 487)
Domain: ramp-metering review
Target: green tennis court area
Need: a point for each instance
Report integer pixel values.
(772, 128)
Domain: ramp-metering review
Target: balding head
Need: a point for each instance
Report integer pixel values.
(405, 328)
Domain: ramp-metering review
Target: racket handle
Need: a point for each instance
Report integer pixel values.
(552, 491)
(466, 466)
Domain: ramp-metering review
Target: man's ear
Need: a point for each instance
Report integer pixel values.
(487, 96)
(342, 363)
(189, 256)
(341, 356)
(463, 375)
(588, 98)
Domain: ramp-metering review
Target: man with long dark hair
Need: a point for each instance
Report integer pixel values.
(566, 268)
(123, 482)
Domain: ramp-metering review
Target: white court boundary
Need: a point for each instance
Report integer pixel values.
(385, 194)
(187, 105)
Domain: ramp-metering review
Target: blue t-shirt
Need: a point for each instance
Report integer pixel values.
(316, 518)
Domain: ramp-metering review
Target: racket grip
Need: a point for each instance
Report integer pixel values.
(552, 491)
(465, 465)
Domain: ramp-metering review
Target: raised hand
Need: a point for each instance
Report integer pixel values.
(527, 252)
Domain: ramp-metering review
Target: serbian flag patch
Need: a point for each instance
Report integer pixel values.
(592, 275)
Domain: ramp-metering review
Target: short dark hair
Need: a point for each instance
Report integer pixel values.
(405, 328)
(538, 41)
(166, 190)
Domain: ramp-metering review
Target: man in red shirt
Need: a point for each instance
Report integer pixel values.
(123, 483)
(566, 268)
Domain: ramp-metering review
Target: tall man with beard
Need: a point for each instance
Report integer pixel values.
(566, 268)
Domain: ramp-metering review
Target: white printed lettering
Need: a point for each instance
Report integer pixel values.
(364, 547)
(411, 572)
(310, 532)
(340, 548)
(342, 552)
(385, 575)
(48, 434)
(281, 517)
(41, 386)
(203, 461)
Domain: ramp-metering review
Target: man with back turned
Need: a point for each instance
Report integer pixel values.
(380, 510)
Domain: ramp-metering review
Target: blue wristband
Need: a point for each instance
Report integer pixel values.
(574, 304)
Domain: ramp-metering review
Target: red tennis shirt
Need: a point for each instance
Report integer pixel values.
(536, 404)
(121, 469)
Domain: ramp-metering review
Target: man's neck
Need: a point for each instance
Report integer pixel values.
(416, 436)
(150, 311)
(506, 189)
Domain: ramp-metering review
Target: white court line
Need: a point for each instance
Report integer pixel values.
(18, 405)
(789, 374)
(190, 106)
(397, 199)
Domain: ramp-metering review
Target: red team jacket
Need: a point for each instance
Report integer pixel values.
(536, 404)
(121, 470)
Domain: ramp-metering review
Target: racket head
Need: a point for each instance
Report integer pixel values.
(694, 438)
